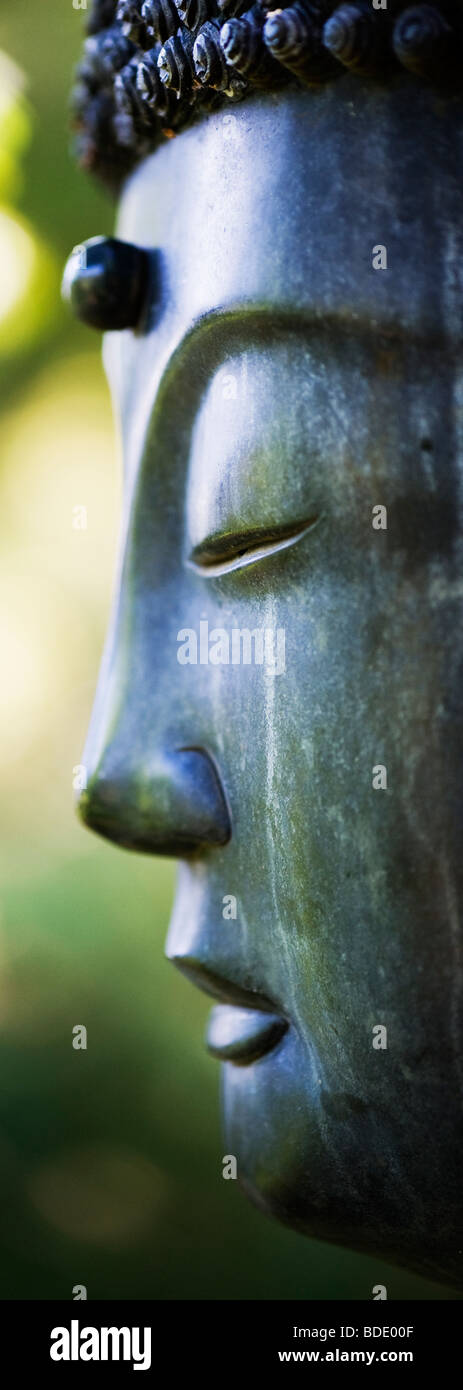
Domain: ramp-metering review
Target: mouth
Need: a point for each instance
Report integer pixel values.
(245, 1025)
(243, 1035)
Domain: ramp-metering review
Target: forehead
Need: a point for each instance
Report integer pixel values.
(283, 198)
(277, 206)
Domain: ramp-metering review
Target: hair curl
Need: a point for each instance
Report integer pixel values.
(150, 67)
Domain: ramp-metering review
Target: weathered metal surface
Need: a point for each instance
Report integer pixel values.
(282, 389)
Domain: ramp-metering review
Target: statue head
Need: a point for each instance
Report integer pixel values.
(279, 704)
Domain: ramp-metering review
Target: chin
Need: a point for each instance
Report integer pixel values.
(327, 1167)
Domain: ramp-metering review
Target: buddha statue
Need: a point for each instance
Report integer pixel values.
(279, 705)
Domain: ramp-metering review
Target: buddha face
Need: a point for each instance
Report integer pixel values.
(279, 705)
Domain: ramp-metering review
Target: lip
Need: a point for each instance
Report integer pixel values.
(242, 1035)
(245, 1025)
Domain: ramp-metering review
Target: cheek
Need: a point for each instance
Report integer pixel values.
(350, 783)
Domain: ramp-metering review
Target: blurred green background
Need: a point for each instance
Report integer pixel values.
(110, 1158)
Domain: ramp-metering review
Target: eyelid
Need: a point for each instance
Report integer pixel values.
(222, 554)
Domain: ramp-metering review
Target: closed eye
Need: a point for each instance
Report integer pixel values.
(222, 554)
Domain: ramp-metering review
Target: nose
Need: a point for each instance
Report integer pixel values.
(172, 803)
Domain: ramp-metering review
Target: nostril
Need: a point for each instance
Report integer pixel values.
(173, 804)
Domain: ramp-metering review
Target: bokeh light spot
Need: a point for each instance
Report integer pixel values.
(101, 1195)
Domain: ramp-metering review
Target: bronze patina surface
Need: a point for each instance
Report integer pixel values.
(277, 393)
